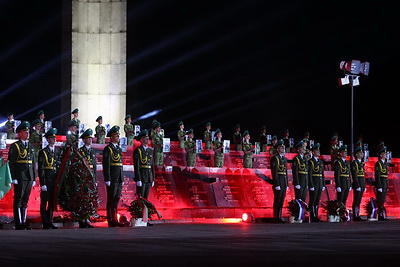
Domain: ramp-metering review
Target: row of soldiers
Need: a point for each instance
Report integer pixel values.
(308, 177)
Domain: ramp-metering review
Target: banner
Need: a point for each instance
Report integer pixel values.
(5, 178)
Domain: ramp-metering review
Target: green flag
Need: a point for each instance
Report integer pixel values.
(5, 178)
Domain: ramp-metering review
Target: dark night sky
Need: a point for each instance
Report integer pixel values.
(249, 62)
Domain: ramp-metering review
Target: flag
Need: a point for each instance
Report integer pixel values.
(5, 178)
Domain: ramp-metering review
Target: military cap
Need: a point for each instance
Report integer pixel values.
(113, 130)
(217, 131)
(75, 111)
(334, 137)
(40, 112)
(99, 118)
(304, 140)
(87, 134)
(358, 149)
(35, 122)
(180, 123)
(237, 126)
(358, 143)
(383, 150)
(316, 146)
(274, 138)
(381, 144)
(73, 123)
(279, 143)
(142, 133)
(286, 131)
(190, 131)
(343, 148)
(299, 144)
(24, 126)
(156, 124)
(128, 116)
(51, 133)
(9, 114)
(208, 123)
(246, 132)
(263, 127)
(306, 134)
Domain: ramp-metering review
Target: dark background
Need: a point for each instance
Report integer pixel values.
(250, 62)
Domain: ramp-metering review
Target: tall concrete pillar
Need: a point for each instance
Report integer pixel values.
(98, 74)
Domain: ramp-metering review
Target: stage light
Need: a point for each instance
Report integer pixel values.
(248, 217)
(355, 67)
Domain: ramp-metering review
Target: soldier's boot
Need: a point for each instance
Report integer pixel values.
(23, 218)
(278, 216)
(356, 214)
(117, 223)
(43, 215)
(385, 218)
(18, 220)
(110, 218)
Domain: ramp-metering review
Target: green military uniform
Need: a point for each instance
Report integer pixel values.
(342, 177)
(129, 131)
(100, 132)
(76, 120)
(333, 150)
(207, 136)
(181, 135)
(48, 163)
(153, 131)
(157, 144)
(41, 122)
(89, 153)
(358, 178)
(218, 151)
(248, 152)
(35, 139)
(144, 167)
(280, 181)
(190, 147)
(300, 174)
(72, 137)
(237, 138)
(286, 140)
(10, 129)
(316, 181)
(381, 184)
(113, 176)
(263, 139)
(272, 149)
(22, 168)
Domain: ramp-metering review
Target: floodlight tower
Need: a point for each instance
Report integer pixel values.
(352, 69)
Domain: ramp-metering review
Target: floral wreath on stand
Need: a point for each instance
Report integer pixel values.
(337, 208)
(142, 208)
(371, 209)
(298, 209)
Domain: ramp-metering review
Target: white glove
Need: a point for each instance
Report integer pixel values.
(358, 189)
(287, 188)
(278, 188)
(139, 183)
(312, 189)
(122, 183)
(339, 189)
(380, 190)
(323, 188)
(44, 188)
(350, 188)
(96, 184)
(365, 189)
(15, 181)
(297, 186)
(108, 183)
(152, 184)
(33, 183)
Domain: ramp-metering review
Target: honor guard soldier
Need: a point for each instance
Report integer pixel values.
(113, 175)
(218, 149)
(207, 136)
(41, 117)
(300, 172)
(181, 134)
(48, 163)
(237, 138)
(144, 165)
(100, 131)
(152, 131)
(263, 139)
(280, 179)
(35, 139)
(316, 181)
(90, 155)
(357, 175)
(286, 140)
(381, 183)
(342, 175)
(190, 147)
(10, 126)
(157, 144)
(334, 149)
(75, 114)
(72, 136)
(247, 150)
(272, 150)
(22, 168)
(129, 130)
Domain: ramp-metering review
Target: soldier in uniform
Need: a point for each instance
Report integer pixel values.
(247, 150)
(41, 117)
(75, 114)
(157, 144)
(113, 175)
(90, 155)
(381, 183)
(35, 139)
(280, 179)
(334, 149)
(10, 126)
(207, 136)
(181, 134)
(237, 138)
(218, 149)
(342, 175)
(263, 139)
(129, 130)
(286, 140)
(72, 136)
(100, 131)
(316, 181)
(144, 165)
(357, 175)
(190, 147)
(22, 168)
(300, 172)
(272, 149)
(48, 163)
